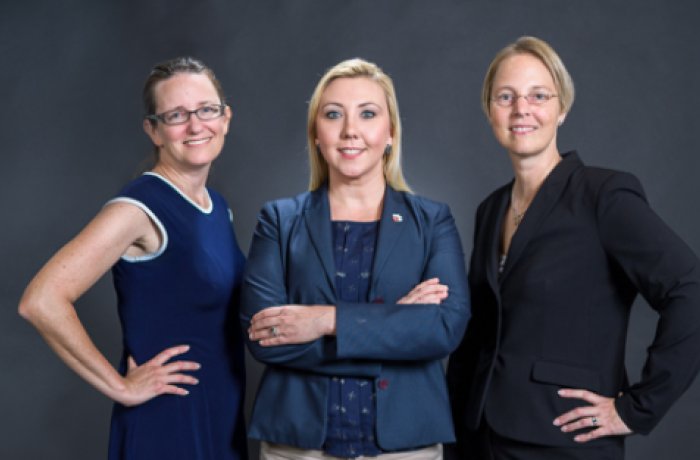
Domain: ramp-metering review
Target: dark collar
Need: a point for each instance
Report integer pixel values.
(543, 203)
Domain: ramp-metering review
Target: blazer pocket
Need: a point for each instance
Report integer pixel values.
(566, 376)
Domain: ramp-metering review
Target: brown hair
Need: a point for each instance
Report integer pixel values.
(166, 69)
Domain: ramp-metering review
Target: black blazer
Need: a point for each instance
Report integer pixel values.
(557, 315)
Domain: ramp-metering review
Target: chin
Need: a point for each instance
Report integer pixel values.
(524, 153)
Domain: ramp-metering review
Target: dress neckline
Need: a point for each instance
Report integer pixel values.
(203, 210)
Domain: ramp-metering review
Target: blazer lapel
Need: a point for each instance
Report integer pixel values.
(396, 216)
(494, 221)
(317, 218)
(539, 209)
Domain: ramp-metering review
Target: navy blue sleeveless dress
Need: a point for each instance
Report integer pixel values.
(185, 293)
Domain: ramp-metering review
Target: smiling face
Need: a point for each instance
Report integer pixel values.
(525, 129)
(196, 143)
(353, 128)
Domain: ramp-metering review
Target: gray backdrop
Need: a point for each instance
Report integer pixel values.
(71, 136)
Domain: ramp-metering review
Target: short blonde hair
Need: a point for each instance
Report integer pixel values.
(540, 49)
(356, 68)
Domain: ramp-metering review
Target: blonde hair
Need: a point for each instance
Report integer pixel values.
(356, 68)
(540, 49)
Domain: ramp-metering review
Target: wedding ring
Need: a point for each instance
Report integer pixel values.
(273, 331)
(594, 421)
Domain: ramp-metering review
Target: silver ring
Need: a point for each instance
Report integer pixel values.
(594, 421)
(273, 331)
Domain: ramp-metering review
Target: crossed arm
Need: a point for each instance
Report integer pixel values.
(426, 323)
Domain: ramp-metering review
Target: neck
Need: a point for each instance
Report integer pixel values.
(191, 183)
(530, 173)
(356, 202)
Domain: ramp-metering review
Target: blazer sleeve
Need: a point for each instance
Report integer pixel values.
(462, 363)
(264, 285)
(417, 332)
(667, 274)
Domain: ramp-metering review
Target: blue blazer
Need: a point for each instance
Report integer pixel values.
(400, 346)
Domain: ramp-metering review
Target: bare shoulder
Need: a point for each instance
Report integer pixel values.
(88, 256)
(123, 222)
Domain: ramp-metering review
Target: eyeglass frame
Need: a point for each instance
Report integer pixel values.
(161, 116)
(527, 97)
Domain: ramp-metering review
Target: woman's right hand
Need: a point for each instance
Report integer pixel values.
(429, 291)
(156, 377)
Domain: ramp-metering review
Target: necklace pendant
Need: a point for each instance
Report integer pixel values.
(517, 218)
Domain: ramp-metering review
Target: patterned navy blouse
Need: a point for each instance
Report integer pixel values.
(351, 405)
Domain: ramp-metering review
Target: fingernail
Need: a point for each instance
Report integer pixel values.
(195, 382)
(556, 422)
(561, 392)
(186, 393)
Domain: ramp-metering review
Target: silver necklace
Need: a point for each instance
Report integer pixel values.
(517, 214)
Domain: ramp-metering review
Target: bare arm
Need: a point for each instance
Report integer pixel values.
(48, 304)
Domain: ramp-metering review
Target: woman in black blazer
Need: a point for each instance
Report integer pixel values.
(559, 255)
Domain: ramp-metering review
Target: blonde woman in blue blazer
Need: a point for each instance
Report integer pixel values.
(354, 291)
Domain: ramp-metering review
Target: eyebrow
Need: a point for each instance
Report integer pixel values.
(362, 105)
(508, 87)
(199, 104)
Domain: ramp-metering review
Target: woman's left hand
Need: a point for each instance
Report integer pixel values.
(292, 324)
(429, 292)
(601, 414)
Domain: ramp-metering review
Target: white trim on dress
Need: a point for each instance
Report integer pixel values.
(174, 187)
(152, 216)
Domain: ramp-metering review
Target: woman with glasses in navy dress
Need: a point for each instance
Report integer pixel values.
(176, 267)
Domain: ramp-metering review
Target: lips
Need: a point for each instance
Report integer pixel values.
(350, 151)
(197, 141)
(519, 129)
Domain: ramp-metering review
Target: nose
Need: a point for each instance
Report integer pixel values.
(349, 128)
(521, 106)
(194, 124)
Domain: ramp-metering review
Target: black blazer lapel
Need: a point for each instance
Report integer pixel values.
(543, 203)
(317, 217)
(492, 239)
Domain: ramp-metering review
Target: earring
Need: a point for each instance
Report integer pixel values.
(387, 150)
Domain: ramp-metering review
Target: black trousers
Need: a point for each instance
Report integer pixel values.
(486, 444)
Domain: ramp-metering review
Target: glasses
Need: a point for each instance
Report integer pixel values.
(508, 98)
(181, 116)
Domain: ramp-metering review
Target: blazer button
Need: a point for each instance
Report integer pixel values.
(383, 384)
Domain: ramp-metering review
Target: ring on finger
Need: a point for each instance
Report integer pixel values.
(274, 332)
(594, 421)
